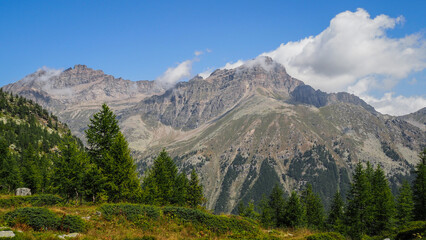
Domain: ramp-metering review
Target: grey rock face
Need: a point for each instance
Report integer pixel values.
(23, 192)
(7, 234)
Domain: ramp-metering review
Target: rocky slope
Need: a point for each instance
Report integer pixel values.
(242, 129)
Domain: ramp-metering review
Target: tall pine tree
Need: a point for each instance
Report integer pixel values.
(122, 182)
(336, 213)
(314, 210)
(419, 188)
(404, 205)
(69, 170)
(277, 205)
(383, 206)
(294, 211)
(358, 214)
(103, 129)
(10, 178)
(195, 190)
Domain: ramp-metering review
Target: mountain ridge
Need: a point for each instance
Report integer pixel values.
(239, 125)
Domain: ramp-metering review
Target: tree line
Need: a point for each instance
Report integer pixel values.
(104, 171)
(370, 208)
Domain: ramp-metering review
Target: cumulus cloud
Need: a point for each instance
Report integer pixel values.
(198, 53)
(352, 47)
(175, 74)
(396, 106)
(232, 65)
(206, 73)
(355, 54)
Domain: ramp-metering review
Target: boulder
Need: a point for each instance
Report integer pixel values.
(7, 234)
(23, 192)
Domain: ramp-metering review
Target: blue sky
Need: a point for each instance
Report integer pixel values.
(141, 40)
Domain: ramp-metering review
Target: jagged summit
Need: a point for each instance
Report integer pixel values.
(242, 129)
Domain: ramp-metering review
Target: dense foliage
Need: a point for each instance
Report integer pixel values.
(29, 137)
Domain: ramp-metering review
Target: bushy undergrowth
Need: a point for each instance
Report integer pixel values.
(41, 219)
(34, 200)
(326, 236)
(413, 230)
(71, 223)
(132, 212)
(214, 223)
(37, 218)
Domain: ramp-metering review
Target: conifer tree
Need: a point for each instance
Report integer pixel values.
(69, 170)
(404, 205)
(182, 195)
(195, 190)
(336, 214)
(277, 205)
(103, 129)
(294, 211)
(314, 210)
(359, 213)
(159, 183)
(383, 206)
(266, 213)
(9, 172)
(122, 182)
(419, 188)
(31, 176)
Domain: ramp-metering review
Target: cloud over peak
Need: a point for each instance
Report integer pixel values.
(354, 54)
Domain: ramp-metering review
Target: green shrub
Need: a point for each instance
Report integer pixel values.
(34, 200)
(44, 200)
(37, 218)
(326, 236)
(414, 230)
(214, 223)
(72, 223)
(132, 212)
(142, 238)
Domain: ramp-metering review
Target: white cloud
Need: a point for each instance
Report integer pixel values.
(175, 74)
(396, 106)
(353, 47)
(231, 65)
(198, 53)
(206, 73)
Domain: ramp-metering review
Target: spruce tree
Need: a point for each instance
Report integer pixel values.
(419, 188)
(9, 171)
(277, 205)
(103, 129)
(358, 214)
(195, 191)
(266, 213)
(122, 182)
(383, 206)
(336, 214)
(159, 182)
(314, 210)
(69, 170)
(294, 211)
(31, 176)
(404, 205)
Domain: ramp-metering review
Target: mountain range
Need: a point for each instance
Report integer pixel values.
(242, 129)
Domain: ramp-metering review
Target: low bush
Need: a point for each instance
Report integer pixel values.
(37, 218)
(214, 223)
(142, 238)
(326, 236)
(132, 212)
(413, 230)
(34, 200)
(72, 223)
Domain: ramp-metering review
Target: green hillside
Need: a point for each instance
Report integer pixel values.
(29, 138)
